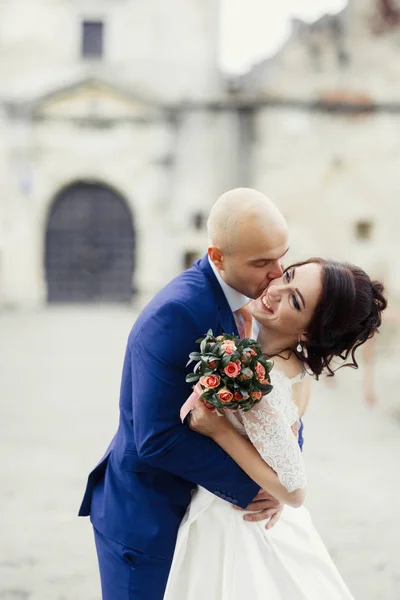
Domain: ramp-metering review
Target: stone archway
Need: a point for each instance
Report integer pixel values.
(90, 246)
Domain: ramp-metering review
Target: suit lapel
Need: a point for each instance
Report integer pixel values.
(226, 316)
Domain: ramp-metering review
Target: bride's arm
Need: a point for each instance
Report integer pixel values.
(243, 453)
(269, 426)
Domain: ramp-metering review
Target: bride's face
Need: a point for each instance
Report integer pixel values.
(288, 304)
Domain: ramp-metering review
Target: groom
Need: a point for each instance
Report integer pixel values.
(138, 494)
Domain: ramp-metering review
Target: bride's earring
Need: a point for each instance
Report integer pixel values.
(299, 346)
(302, 348)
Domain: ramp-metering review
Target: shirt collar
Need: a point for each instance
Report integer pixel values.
(234, 298)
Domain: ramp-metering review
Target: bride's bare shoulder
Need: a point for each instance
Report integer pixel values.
(291, 366)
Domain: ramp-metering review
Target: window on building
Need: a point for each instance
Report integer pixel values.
(337, 162)
(92, 39)
(364, 230)
(315, 54)
(189, 258)
(198, 221)
(343, 57)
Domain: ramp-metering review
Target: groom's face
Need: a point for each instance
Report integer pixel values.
(255, 261)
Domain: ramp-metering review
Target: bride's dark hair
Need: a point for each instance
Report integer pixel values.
(348, 313)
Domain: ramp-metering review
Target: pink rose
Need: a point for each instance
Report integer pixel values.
(237, 396)
(265, 382)
(260, 371)
(212, 363)
(253, 352)
(232, 369)
(229, 346)
(210, 381)
(220, 338)
(255, 395)
(225, 395)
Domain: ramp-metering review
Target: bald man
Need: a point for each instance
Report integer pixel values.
(248, 238)
(138, 493)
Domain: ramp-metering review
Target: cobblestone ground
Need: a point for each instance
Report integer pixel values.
(59, 381)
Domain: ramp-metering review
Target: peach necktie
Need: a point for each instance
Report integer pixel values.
(244, 321)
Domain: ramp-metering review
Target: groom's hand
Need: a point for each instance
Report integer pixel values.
(264, 506)
(296, 428)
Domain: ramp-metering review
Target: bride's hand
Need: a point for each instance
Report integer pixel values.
(206, 421)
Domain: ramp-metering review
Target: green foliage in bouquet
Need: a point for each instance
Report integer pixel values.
(232, 373)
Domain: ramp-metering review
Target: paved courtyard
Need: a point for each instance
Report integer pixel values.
(59, 383)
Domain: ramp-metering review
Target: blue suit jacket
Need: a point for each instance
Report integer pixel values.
(138, 493)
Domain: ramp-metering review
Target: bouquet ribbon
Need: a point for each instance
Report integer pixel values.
(191, 401)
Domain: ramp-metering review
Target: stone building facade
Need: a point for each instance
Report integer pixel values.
(118, 132)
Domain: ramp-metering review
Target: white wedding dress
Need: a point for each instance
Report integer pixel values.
(219, 556)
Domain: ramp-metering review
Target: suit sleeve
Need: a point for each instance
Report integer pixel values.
(158, 358)
(301, 435)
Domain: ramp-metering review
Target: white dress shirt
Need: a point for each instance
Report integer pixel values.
(234, 298)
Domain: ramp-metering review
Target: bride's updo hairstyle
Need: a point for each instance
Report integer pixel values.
(348, 314)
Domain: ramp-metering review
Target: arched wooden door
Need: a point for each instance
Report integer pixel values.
(90, 246)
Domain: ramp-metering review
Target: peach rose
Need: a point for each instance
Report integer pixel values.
(260, 371)
(212, 363)
(232, 369)
(225, 395)
(265, 382)
(237, 396)
(229, 346)
(210, 381)
(255, 395)
(220, 338)
(250, 353)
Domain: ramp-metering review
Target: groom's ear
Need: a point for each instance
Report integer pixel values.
(215, 255)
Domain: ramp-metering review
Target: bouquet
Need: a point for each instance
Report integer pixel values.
(230, 372)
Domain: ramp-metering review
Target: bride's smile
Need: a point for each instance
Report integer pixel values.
(287, 305)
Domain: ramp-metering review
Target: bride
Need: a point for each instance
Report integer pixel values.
(316, 311)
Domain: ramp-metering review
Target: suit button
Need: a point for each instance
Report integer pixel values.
(217, 493)
(234, 501)
(228, 498)
(223, 497)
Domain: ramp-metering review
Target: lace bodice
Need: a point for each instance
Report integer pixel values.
(268, 427)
